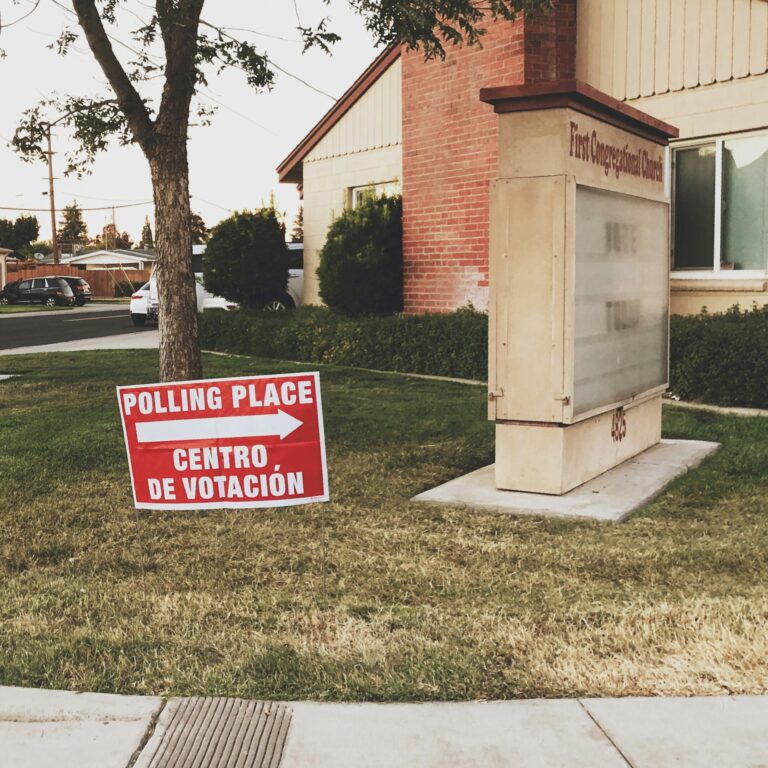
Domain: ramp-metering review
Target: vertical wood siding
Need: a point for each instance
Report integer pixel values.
(635, 48)
(374, 121)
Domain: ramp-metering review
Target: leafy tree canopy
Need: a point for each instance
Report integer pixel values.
(246, 258)
(147, 238)
(18, 234)
(195, 47)
(174, 50)
(199, 230)
(72, 228)
(297, 233)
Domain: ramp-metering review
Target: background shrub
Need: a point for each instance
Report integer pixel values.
(361, 263)
(720, 359)
(454, 344)
(246, 259)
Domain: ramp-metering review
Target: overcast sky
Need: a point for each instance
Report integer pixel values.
(232, 161)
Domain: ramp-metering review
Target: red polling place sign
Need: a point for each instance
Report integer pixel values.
(221, 443)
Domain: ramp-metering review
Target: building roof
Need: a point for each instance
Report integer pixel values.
(290, 170)
(120, 252)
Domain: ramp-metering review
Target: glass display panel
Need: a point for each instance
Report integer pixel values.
(694, 207)
(745, 204)
(622, 297)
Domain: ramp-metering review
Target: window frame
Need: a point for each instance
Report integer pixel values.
(716, 273)
(353, 192)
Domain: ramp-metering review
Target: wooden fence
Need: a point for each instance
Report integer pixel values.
(105, 283)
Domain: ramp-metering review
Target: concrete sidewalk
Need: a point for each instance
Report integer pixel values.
(137, 340)
(56, 729)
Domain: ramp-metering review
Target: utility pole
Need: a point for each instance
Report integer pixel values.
(54, 235)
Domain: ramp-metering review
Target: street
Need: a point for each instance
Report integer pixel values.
(53, 327)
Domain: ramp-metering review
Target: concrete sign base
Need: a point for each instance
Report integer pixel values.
(611, 497)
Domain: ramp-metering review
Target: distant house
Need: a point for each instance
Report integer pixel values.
(120, 259)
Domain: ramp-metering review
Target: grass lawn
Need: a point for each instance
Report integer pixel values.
(12, 309)
(369, 597)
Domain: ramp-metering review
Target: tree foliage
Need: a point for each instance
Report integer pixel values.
(147, 239)
(175, 49)
(297, 233)
(361, 263)
(72, 228)
(199, 230)
(246, 258)
(195, 47)
(43, 247)
(18, 234)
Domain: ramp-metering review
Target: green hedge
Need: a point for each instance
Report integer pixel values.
(720, 358)
(440, 345)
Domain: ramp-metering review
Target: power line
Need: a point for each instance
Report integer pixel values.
(21, 18)
(77, 195)
(206, 95)
(60, 210)
(208, 202)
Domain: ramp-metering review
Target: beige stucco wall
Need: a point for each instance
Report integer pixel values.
(689, 297)
(701, 65)
(364, 147)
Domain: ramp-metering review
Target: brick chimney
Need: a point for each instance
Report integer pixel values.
(450, 151)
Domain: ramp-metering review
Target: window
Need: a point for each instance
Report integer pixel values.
(295, 255)
(720, 206)
(372, 191)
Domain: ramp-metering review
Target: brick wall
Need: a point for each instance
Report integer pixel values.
(450, 152)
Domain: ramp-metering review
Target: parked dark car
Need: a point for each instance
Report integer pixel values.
(80, 288)
(43, 290)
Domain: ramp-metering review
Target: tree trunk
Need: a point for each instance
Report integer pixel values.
(179, 350)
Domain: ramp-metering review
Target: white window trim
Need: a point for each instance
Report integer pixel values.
(716, 273)
(352, 192)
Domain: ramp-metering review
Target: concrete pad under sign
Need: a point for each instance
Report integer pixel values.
(697, 733)
(59, 729)
(611, 497)
(545, 734)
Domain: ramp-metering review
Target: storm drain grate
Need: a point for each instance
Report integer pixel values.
(223, 733)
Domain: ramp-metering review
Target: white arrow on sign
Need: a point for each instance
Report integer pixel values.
(280, 423)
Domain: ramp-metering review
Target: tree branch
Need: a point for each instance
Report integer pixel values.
(178, 27)
(128, 99)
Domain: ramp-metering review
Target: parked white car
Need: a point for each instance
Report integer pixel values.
(145, 304)
(295, 288)
(294, 291)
